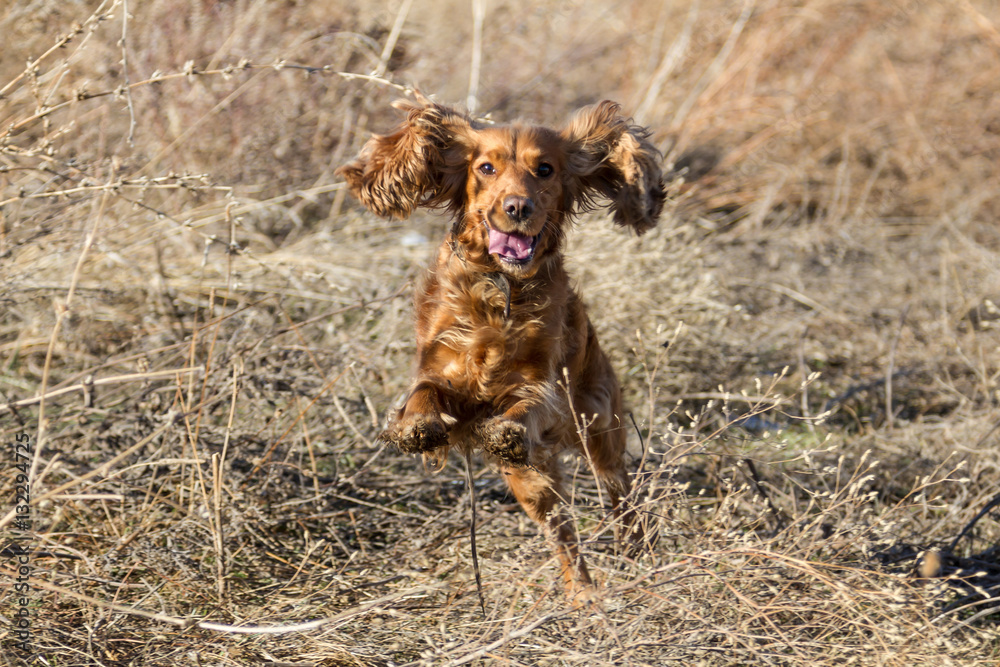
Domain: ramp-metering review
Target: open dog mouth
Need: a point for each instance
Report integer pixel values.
(512, 247)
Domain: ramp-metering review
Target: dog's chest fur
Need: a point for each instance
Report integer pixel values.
(490, 332)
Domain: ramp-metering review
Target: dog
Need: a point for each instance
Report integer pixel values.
(507, 359)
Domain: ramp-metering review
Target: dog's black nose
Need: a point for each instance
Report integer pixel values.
(518, 208)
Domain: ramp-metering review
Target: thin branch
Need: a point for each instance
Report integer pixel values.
(891, 368)
(126, 90)
(712, 71)
(472, 529)
(478, 16)
(221, 627)
(89, 384)
(671, 59)
(390, 42)
(983, 512)
(62, 310)
(223, 71)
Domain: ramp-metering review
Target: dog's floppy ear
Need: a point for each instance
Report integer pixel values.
(422, 163)
(610, 157)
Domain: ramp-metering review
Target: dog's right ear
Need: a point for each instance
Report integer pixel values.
(422, 163)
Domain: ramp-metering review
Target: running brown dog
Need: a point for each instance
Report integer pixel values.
(506, 355)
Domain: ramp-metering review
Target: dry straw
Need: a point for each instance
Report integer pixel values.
(200, 334)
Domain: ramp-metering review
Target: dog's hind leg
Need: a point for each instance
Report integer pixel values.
(598, 402)
(538, 491)
(605, 449)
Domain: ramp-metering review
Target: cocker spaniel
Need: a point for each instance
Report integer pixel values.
(507, 359)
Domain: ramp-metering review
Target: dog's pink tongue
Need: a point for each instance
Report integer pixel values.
(513, 246)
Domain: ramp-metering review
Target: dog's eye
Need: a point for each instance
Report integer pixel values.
(487, 168)
(545, 170)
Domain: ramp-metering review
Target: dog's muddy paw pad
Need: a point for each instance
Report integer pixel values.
(414, 436)
(504, 439)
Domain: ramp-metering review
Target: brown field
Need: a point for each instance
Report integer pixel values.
(201, 333)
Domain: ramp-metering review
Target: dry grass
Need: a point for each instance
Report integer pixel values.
(200, 334)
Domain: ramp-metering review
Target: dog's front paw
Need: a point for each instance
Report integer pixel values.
(415, 435)
(505, 439)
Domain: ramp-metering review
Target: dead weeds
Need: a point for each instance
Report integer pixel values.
(200, 335)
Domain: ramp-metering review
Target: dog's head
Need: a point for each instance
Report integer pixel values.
(511, 188)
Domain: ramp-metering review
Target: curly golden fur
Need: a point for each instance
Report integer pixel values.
(505, 351)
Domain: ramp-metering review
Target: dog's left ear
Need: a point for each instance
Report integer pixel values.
(610, 157)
